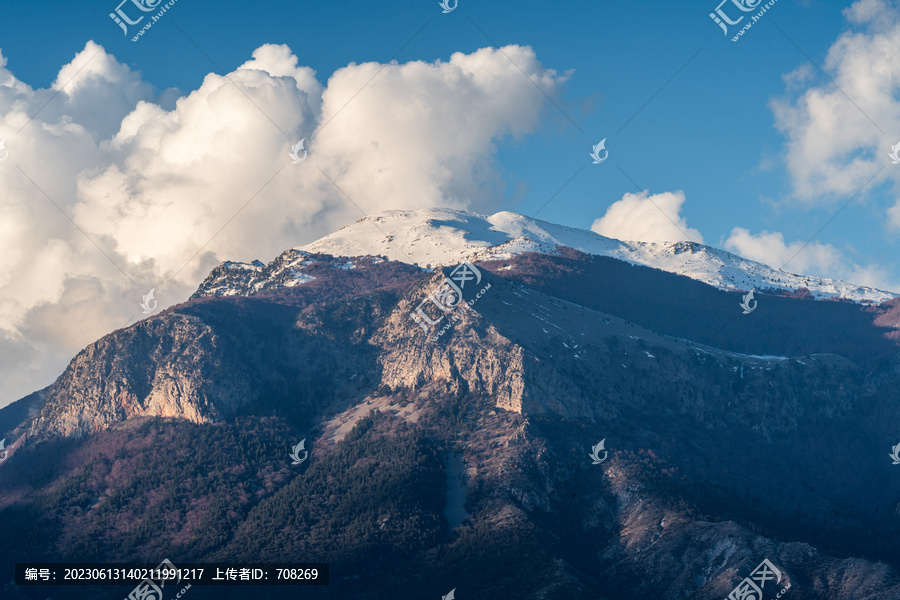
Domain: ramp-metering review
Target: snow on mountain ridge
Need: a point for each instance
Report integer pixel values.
(442, 237)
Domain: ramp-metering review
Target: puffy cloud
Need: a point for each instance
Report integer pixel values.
(160, 189)
(94, 74)
(822, 260)
(647, 218)
(839, 135)
(423, 134)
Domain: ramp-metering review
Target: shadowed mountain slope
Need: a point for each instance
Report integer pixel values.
(170, 438)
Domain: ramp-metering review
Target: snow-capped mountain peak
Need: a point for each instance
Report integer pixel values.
(440, 237)
(431, 238)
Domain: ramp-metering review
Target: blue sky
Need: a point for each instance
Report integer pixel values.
(682, 108)
(707, 131)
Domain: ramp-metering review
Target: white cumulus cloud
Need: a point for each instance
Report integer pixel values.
(647, 218)
(815, 258)
(111, 189)
(839, 134)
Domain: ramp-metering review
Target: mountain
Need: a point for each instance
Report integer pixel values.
(442, 237)
(450, 429)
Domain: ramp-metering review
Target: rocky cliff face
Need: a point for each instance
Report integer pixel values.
(171, 366)
(729, 440)
(205, 361)
(292, 268)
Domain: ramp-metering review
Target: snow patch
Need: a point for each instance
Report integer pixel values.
(444, 237)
